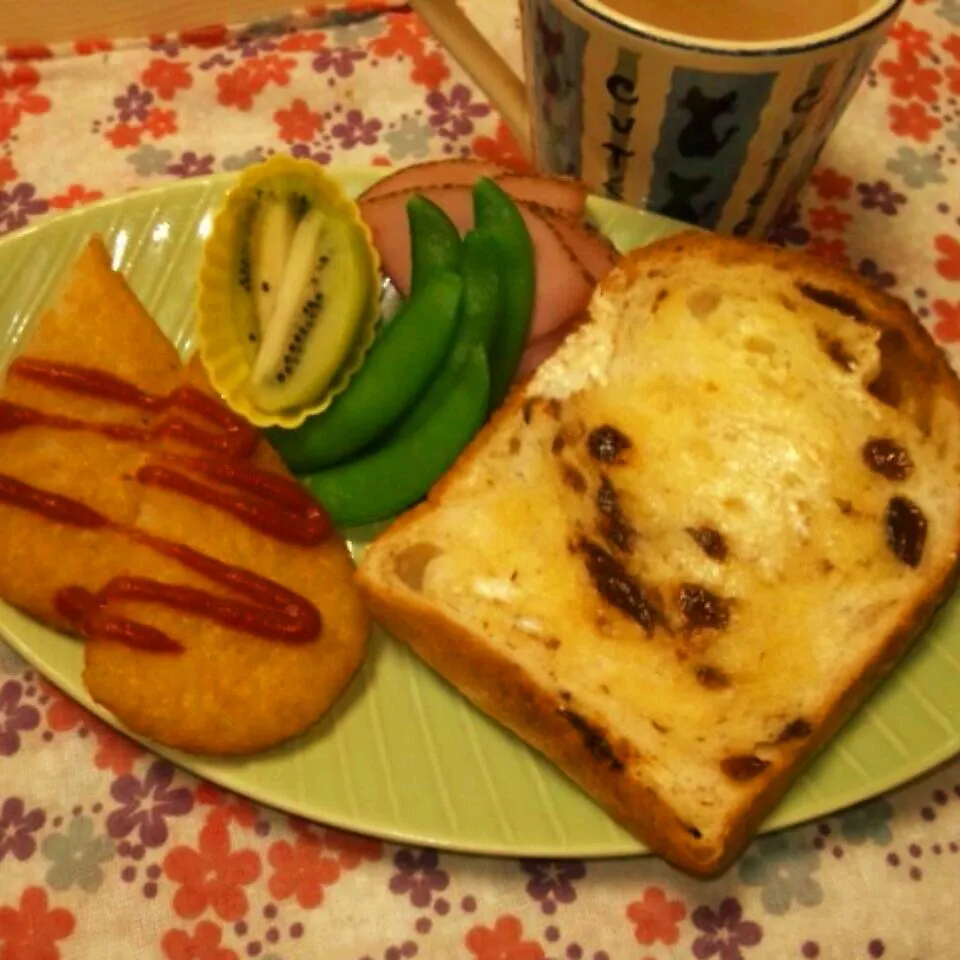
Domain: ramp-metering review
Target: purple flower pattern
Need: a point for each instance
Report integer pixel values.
(305, 150)
(15, 717)
(452, 116)
(788, 231)
(551, 881)
(134, 104)
(146, 804)
(166, 46)
(880, 196)
(871, 270)
(18, 205)
(253, 48)
(419, 875)
(340, 60)
(191, 165)
(355, 129)
(17, 826)
(724, 931)
(217, 60)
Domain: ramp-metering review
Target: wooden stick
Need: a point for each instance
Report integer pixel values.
(504, 89)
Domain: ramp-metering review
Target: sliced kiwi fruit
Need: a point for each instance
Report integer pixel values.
(319, 302)
(272, 226)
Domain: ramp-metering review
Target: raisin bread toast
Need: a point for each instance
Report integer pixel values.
(684, 552)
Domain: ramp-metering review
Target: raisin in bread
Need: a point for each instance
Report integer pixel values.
(684, 552)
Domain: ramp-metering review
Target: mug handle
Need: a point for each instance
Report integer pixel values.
(465, 43)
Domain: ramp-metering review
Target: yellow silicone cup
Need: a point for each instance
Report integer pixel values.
(226, 324)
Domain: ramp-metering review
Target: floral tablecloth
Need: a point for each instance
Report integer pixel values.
(109, 852)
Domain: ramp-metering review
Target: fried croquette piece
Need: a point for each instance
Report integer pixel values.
(227, 691)
(93, 321)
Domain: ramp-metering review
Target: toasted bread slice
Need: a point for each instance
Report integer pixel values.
(683, 553)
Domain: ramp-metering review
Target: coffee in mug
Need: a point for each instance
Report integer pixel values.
(740, 20)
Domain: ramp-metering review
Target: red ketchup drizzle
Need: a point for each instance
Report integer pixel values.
(272, 504)
(279, 507)
(236, 437)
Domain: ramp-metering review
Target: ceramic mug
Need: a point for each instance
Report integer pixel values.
(714, 133)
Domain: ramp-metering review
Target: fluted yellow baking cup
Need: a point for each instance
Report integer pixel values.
(226, 323)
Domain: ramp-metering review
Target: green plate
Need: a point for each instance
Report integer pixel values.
(402, 755)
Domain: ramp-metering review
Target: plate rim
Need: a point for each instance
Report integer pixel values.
(258, 791)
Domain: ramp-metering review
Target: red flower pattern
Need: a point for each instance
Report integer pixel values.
(75, 195)
(834, 250)
(310, 41)
(213, 875)
(115, 752)
(503, 941)
(947, 328)
(226, 806)
(953, 78)
(913, 121)
(301, 870)
(237, 88)
(91, 45)
(8, 172)
(271, 69)
(166, 77)
(160, 123)
(910, 78)
(203, 944)
(31, 931)
(125, 135)
(298, 122)
(828, 218)
(949, 265)
(830, 184)
(502, 148)
(62, 713)
(909, 38)
(404, 35)
(655, 918)
(18, 95)
(430, 70)
(351, 849)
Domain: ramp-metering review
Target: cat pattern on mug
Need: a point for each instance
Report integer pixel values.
(699, 138)
(680, 203)
(708, 123)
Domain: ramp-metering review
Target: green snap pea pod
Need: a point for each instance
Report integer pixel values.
(494, 211)
(401, 362)
(387, 481)
(435, 242)
(480, 310)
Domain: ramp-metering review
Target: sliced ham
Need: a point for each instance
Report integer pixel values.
(563, 284)
(431, 174)
(597, 254)
(561, 194)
